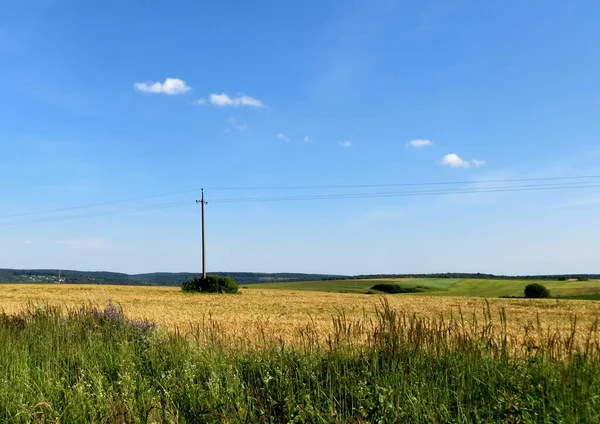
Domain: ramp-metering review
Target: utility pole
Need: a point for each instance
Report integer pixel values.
(202, 203)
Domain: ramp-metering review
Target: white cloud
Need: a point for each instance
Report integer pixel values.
(28, 242)
(282, 136)
(170, 86)
(306, 139)
(478, 162)
(454, 161)
(345, 143)
(224, 100)
(200, 101)
(236, 125)
(417, 144)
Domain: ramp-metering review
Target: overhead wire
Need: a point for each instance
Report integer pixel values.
(406, 193)
(453, 191)
(96, 214)
(93, 205)
(320, 187)
(306, 187)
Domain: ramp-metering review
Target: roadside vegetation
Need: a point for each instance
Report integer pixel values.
(97, 365)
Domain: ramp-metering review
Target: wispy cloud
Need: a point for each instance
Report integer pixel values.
(454, 161)
(28, 242)
(236, 125)
(419, 143)
(478, 162)
(283, 137)
(170, 86)
(346, 143)
(224, 99)
(200, 101)
(287, 139)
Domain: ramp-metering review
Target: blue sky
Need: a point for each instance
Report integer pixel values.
(117, 100)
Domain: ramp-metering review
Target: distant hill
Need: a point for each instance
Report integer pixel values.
(176, 278)
(150, 279)
(479, 276)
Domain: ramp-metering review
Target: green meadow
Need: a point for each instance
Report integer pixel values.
(447, 287)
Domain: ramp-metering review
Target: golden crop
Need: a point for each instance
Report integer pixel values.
(258, 316)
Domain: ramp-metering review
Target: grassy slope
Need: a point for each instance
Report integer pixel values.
(448, 286)
(359, 286)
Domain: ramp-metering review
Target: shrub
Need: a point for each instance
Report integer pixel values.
(581, 278)
(536, 291)
(210, 284)
(395, 288)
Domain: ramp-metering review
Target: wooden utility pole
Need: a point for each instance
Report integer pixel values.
(202, 203)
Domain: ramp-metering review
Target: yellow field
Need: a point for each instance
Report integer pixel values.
(259, 316)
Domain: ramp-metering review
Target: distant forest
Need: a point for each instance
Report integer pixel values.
(150, 279)
(176, 278)
(478, 275)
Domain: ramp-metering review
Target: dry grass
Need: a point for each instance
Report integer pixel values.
(260, 315)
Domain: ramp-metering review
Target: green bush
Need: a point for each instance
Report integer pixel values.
(536, 291)
(395, 288)
(210, 284)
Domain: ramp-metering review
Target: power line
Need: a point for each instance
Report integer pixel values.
(307, 187)
(320, 187)
(405, 193)
(93, 205)
(503, 189)
(96, 214)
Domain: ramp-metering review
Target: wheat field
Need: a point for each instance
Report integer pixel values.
(258, 316)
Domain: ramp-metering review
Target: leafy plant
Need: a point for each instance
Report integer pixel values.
(395, 288)
(536, 291)
(210, 284)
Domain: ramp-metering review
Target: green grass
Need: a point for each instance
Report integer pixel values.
(496, 288)
(98, 366)
(595, 296)
(357, 286)
(449, 287)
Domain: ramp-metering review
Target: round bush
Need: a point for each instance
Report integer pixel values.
(210, 284)
(536, 291)
(395, 288)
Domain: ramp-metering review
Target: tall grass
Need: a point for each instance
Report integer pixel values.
(96, 365)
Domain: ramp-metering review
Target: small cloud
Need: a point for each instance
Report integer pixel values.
(236, 125)
(306, 139)
(224, 100)
(200, 101)
(170, 86)
(454, 161)
(28, 242)
(419, 143)
(345, 143)
(282, 136)
(478, 162)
